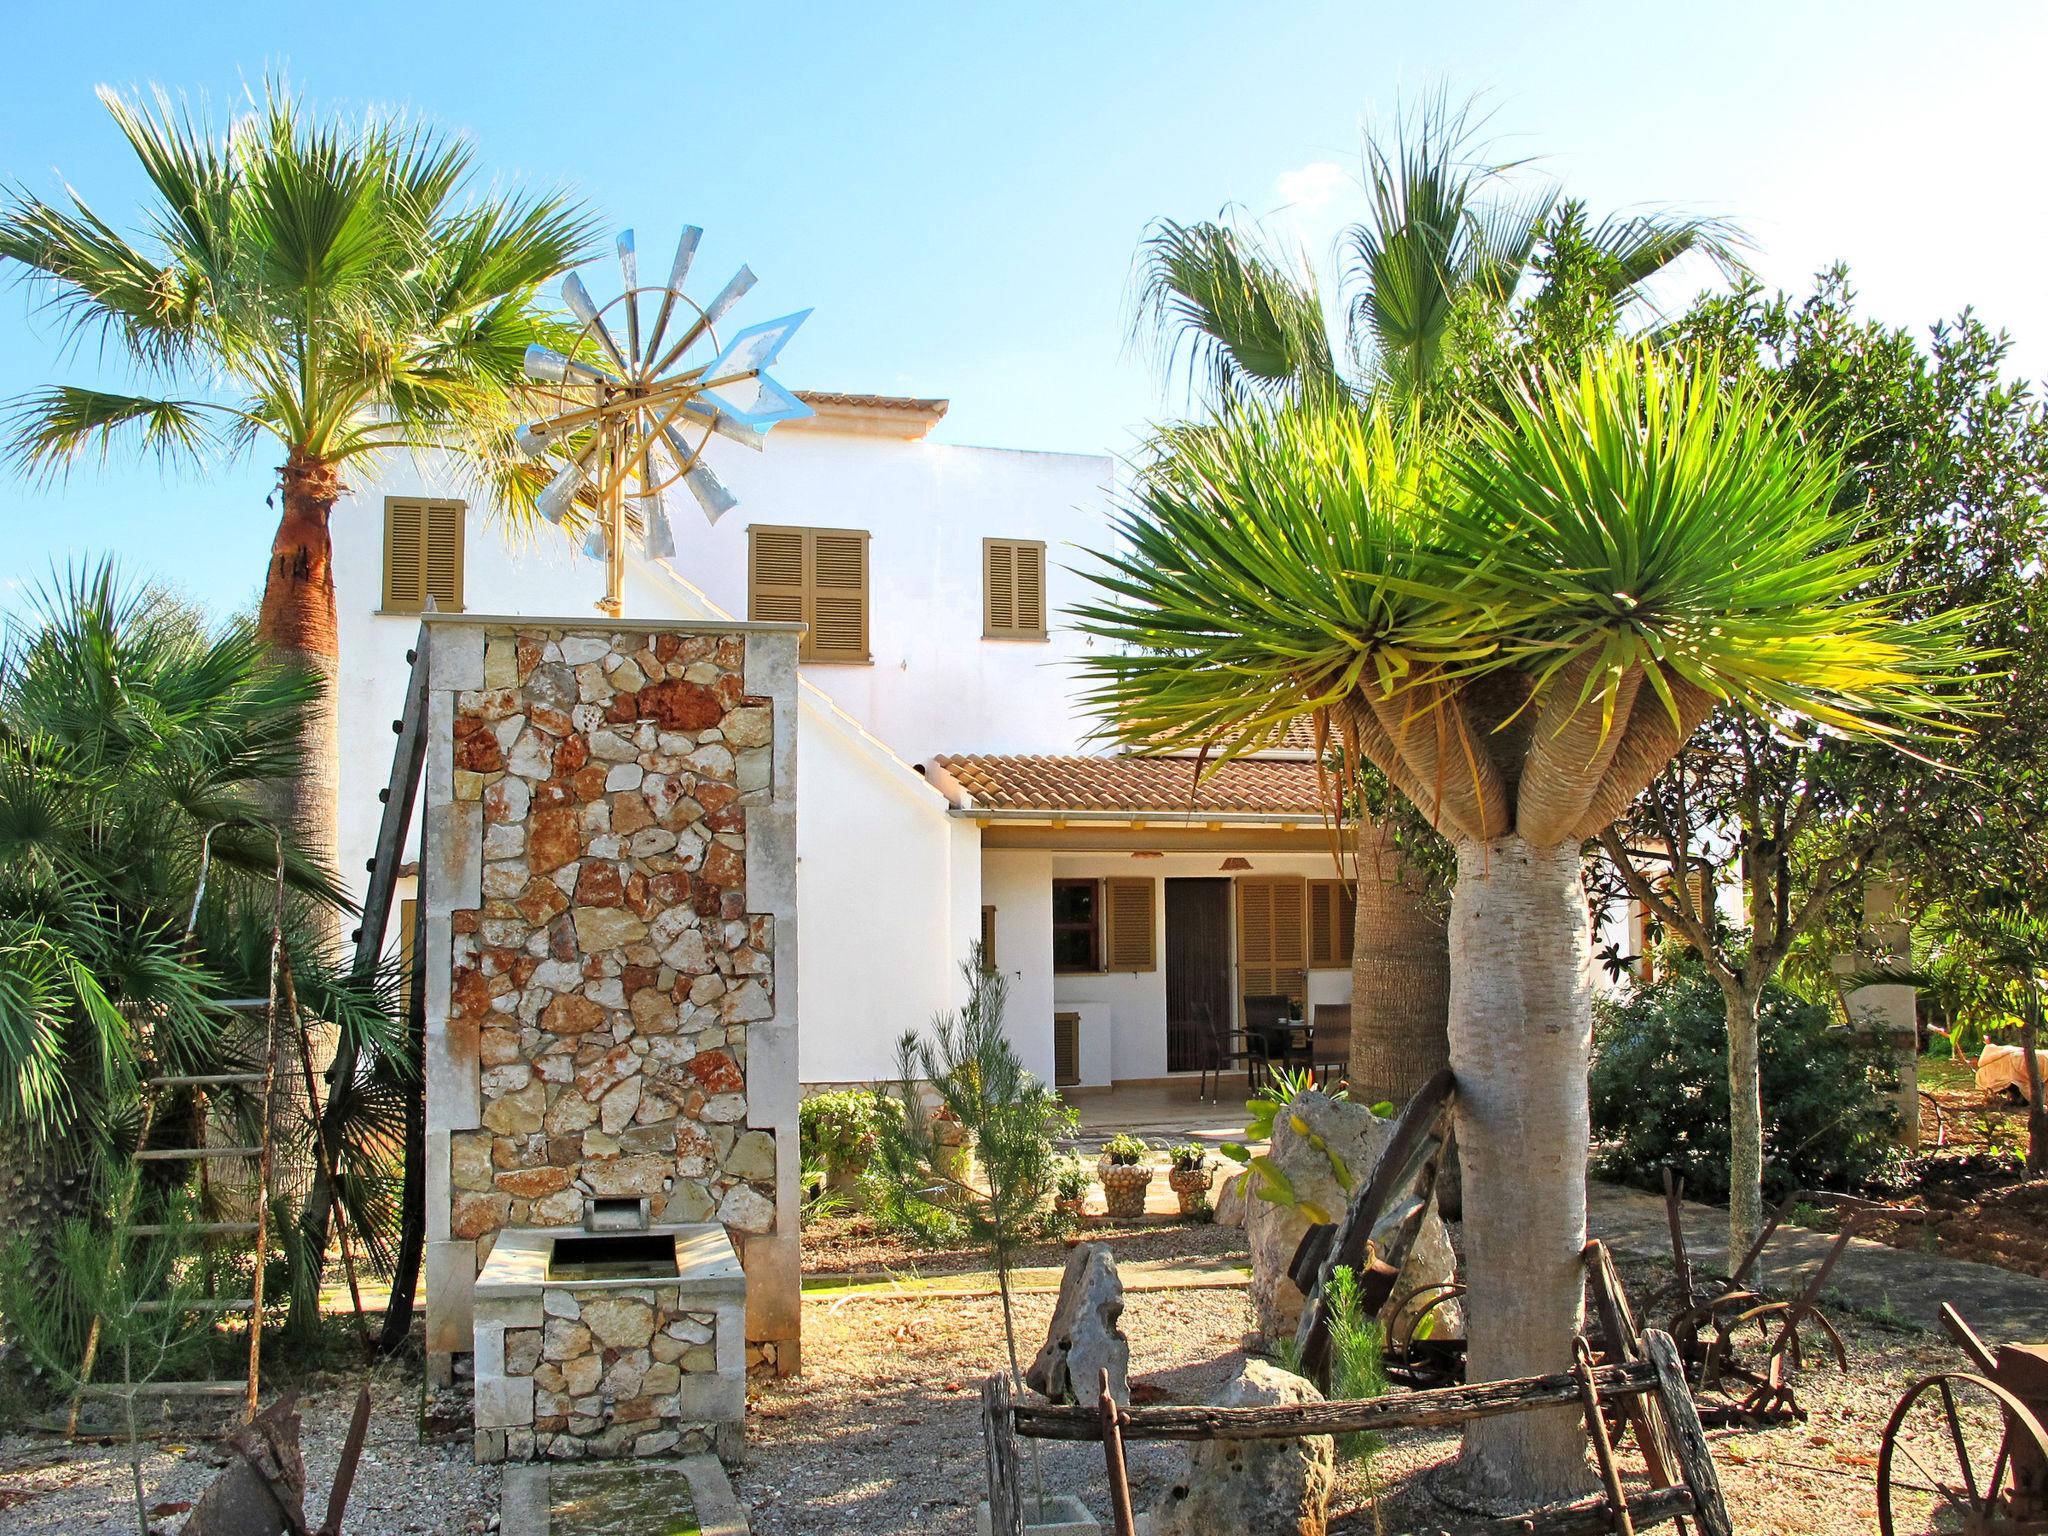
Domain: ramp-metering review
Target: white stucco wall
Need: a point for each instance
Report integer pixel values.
(1018, 884)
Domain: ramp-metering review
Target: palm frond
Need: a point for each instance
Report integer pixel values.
(51, 430)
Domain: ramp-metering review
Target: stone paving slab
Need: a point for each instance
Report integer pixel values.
(687, 1497)
(2003, 1306)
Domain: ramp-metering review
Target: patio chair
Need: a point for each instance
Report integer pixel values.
(1265, 1026)
(1217, 1047)
(1330, 1050)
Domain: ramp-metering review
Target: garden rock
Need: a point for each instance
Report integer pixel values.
(1274, 1230)
(1084, 1338)
(1275, 1487)
(1230, 1200)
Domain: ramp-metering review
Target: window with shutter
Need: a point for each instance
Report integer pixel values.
(1129, 906)
(1076, 926)
(1013, 589)
(1332, 918)
(422, 554)
(1272, 937)
(812, 576)
(988, 938)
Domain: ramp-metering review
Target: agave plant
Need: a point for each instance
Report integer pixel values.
(1518, 624)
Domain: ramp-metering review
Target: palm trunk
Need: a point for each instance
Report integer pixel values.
(1400, 977)
(1521, 1033)
(297, 619)
(1745, 1122)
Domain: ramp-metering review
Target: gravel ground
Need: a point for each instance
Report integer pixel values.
(402, 1487)
(851, 1245)
(882, 1435)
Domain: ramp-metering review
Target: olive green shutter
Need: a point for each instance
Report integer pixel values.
(1272, 937)
(1332, 919)
(1127, 911)
(423, 554)
(839, 595)
(1013, 589)
(812, 576)
(988, 938)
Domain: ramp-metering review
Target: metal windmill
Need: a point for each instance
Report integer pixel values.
(628, 410)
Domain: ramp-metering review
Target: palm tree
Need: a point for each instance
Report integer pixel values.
(1430, 282)
(1517, 624)
(332, 287)
(137, 747)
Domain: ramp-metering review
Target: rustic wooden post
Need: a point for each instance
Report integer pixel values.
(1688, 1436)
(1603, 1447)
(999, 1445)
(1122, 1520)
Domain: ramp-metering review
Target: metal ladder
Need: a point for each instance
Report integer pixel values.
(280, 993)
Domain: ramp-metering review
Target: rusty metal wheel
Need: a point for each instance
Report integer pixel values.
(1962, 1455)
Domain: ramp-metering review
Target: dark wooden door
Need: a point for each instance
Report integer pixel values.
(1197, 965)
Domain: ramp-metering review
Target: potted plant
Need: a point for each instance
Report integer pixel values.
(837, 1132)
(1070, 1188)
(955, 1145)
(1126, 1171)
(1188, 1177)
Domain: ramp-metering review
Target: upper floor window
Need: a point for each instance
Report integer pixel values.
(813, 576)
(422, 554)
(1013, 589)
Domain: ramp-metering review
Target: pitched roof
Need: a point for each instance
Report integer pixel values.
(1251, 785)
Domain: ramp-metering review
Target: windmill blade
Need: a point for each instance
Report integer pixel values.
(544, 365)
(584, 308)
(655, 533)
(596, 545)
(686, 252)
(710, 491)
(559, 495)
(729, 295)
(629, 274)
(535, 439)
(725, 426)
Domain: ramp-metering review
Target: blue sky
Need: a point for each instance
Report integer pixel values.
(959, 191)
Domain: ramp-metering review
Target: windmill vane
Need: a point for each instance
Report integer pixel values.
(625, 412)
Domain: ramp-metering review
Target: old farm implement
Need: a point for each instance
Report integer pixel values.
(1965, 1450)
(1720, 1322)
(1654, 1387)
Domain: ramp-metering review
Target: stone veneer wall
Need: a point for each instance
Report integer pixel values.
(608, 872)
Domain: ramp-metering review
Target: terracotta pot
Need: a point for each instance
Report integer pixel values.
(1072, 1208)
(1190, 1186)
(1123, 1187)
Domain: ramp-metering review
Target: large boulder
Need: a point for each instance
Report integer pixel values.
(1084, 1338)
(1306, 1132)
(1273, 1487)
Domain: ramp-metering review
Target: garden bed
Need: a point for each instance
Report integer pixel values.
(841, 1245)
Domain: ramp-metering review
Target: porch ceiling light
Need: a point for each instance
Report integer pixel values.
(1235, 862)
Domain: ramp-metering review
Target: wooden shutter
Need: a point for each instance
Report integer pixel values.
(1066, 1049)
(775, 576)
(1272, 937)
(1013, 589)
(988, 938)
(422, 554)
(1332, 918)
(1127, 906)
(408, 932)
(812, 576)
(839, 595)
(443, 555)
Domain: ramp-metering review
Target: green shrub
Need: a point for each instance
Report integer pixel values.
(1356, 1347)
(1660, 1091)
(1072, 1180)
(1124, 1150)
(839, 1130)
(1188, 1157)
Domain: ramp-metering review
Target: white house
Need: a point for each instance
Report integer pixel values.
(947, 791)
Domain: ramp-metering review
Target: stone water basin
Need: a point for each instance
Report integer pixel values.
(610, 1344)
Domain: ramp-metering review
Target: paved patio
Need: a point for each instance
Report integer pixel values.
(1163, 1110)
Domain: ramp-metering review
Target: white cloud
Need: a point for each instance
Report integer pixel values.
(1309, 187)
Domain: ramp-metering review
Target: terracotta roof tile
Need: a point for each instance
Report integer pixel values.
(1166, 784)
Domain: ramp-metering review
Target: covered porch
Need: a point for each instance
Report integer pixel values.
(1153, 923)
